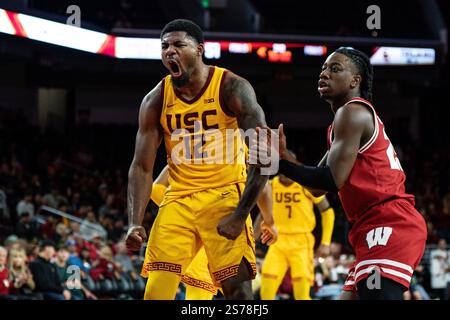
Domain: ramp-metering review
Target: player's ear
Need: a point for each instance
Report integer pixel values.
(356, 81)
(200, 49)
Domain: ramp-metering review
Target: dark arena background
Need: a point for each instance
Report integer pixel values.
(72, 78)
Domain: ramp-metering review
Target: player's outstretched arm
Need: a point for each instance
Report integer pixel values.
(317, 192)
(140, 178)
(350, 124)
(240, 99)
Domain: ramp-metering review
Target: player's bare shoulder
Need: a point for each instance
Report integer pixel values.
(151, 105)
(154, 99)
(238, 94)
(354, 114)
(237, 89)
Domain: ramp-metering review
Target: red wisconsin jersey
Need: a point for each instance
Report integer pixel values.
(377, 175)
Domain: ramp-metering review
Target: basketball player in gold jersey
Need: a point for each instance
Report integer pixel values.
(293, 212)
(206, 203)
(199, 285)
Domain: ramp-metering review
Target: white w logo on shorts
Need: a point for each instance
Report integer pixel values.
(378, 236)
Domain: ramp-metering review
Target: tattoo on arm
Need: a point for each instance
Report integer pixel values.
(240, 98)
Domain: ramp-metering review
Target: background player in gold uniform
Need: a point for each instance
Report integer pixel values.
(206, 203)
(293, 211)
(199, 285)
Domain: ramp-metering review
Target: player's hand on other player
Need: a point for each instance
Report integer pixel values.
(136, 236)
(231, 226)
(323, 251)
(267, 145)
(269, 233)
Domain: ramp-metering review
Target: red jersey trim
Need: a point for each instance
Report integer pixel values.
(202, 90)
(221, 98)
(376, 131)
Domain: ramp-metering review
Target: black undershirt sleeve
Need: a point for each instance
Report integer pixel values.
(311, 177)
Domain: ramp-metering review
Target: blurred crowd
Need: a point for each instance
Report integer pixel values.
(77, 252)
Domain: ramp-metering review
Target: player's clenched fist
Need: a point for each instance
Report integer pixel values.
(231, 226)
(136, 236)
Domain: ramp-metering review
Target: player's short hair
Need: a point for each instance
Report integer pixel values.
(191, 29)
(365, 69)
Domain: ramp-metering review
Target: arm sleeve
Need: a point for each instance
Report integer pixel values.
(327, 226)
(312, 177)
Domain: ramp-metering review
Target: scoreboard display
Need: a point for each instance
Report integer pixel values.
(216, 48)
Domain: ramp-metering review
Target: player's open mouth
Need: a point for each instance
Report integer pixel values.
(175, 68)
(322, 86)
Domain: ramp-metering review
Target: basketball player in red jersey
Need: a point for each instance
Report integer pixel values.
(388, 233)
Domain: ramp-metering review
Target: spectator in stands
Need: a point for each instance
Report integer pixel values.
(4, 275)
(75, 204)
(118, 229)
(105, 271)
(73, 250)
(48, 229)
(4, 210)
(93, 247)
(20, 277)
(440, 270)
(38, 202)
(27, 228)
(108, 208)
(89, 227)
(446, 203)
(62, 232)
(35, 184)
(11, 242)
(125, 266)
(68, 275)
(104, 267)
(102, 195)
(80, 257)
(327, 276)
(86, 259)
(416, 290)
(45, 274)
(54, 198)
(26, 205)
(74, 227)
(106, 221)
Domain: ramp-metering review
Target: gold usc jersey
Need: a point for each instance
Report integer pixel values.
(205, 148)
(293, 207)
